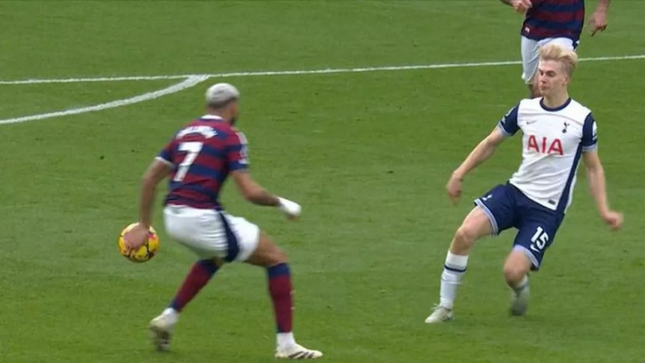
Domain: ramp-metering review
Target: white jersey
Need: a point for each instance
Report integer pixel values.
(552, 143)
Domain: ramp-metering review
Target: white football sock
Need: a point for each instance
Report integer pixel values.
(286, 340)
(172, 314)
(522, 285)
(453, 270)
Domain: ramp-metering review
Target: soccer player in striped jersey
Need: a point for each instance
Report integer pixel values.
(557, 133)
(198, 160)
(552, 21)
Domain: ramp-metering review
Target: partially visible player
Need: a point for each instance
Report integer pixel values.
(198, 160)
(552, 22)
(557, 132)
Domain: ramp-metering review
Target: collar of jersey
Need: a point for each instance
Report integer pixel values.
(211, 118)
(565, 104)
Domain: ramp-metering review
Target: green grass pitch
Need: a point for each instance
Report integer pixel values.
(366, 154)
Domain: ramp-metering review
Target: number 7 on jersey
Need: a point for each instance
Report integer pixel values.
(192, 150)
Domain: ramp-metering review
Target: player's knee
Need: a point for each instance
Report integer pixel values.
(216, 261)
(274, 254)
(278, 256)
(465, 237)
(475, 226)
(274, 258)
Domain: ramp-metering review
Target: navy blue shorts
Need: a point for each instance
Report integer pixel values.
(506, 207)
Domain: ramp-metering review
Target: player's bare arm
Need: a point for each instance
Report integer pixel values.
(598, 21)
(521, 6)
(480, 153)
(596, 180)
(254, 193)
(157, 171)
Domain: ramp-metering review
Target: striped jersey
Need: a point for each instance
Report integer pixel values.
(554, 18)
(202, 154)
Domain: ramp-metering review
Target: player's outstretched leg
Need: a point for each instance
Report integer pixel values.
(516, 270)
(474, 226)
(269, 256)
(161, 327)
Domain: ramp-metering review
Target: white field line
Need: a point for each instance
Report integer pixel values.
(187, 83)
(301, 72)
(192, 80)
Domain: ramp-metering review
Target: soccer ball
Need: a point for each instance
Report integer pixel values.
(146, 252)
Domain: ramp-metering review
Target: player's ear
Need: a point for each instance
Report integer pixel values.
(567, 79)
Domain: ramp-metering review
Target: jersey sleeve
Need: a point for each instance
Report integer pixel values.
(167, 154)
(237, 151)
(508, 123)
(589, 134)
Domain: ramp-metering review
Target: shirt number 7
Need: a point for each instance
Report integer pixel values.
(192, 150)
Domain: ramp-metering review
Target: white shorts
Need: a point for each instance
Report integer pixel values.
(210, 233)
(531, 55)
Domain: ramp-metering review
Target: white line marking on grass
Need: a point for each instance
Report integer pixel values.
(98, 79)
(302, 72)
(189, 82)
(192, 80)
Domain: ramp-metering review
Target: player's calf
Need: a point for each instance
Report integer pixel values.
(457, 258)
(161, 327)
(516, 270)
(269, 256)
(516, 267)
(475, 225)
(199, 275)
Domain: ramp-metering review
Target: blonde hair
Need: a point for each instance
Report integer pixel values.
(554, 52)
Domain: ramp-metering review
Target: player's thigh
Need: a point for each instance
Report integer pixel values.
(243, 237)
(212, 234)
(195, 229)
(476, 225)
(498, 206)
(530, 50)
(534, 237)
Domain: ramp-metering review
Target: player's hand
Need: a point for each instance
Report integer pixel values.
(522, 6)
(291, 209)
(135, 237)
(598, 22)
(613, 219)
(454, 188)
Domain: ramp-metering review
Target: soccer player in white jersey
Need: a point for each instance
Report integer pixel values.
(557, 132)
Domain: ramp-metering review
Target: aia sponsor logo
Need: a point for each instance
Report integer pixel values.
(544, 145)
